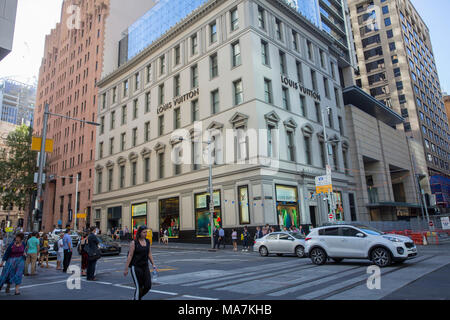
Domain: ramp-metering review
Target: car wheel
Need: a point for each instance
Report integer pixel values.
(300, 251)
(318, 256)
(337, 260)
(381, 257)
(263, 251)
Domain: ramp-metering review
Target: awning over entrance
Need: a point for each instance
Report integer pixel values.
(355, 96)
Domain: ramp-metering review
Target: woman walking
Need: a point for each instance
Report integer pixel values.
(44, 251)
(138, 256)
(84, 255)
(15, 263)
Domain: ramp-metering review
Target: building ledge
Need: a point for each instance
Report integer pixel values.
(360, 99)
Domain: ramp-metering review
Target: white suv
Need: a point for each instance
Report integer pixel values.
(357, 242)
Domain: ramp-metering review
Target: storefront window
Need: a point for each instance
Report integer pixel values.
(114, 218)
(244, 209)
(169, 216)
(202, 218)
(339, 206)
(287, 206)
(138, 216)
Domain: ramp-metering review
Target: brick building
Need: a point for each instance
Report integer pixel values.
(71, 66)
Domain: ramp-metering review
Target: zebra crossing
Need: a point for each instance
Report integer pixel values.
(301, 280)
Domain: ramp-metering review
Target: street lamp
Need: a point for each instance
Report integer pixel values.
(325, 137)
(47, 113)
(421, 192)
(210, 188)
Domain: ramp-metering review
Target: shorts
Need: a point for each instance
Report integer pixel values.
(60, 256)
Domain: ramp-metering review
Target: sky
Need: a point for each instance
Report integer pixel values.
(35, 19)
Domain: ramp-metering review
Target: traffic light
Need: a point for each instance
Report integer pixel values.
(38, 214)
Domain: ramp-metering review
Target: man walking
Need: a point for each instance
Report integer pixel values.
(67, 246)
(32, 252)
(221, 237)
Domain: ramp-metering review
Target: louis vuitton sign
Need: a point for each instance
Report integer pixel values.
(179, 100)
(298, 86)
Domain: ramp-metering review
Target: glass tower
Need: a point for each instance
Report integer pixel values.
(153, 24)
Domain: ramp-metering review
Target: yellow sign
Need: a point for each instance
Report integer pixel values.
(324, 189)
(81, 216)
(150, 236)
(9, 229)
(36, 144)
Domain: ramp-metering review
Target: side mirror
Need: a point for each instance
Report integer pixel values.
(360, 235)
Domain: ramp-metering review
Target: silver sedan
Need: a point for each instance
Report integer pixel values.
(281, 243)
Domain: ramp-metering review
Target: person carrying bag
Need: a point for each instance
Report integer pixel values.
(94, 253)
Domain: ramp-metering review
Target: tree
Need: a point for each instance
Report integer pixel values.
(17, 167)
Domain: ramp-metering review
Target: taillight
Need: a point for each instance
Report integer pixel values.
(306, 239)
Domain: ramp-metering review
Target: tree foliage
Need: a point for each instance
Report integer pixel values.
(17, 168)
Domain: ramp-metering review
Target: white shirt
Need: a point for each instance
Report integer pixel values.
(60, 246)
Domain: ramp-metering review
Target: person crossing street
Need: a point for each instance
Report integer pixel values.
(139, 255)
(67, 246)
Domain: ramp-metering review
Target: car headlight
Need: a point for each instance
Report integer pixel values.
(392, 239)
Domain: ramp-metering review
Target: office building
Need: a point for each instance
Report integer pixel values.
(385, 180)
(71, 67)
(397, 67)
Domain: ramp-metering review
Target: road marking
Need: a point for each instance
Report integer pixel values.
(43, 284)
(123, 286)
(200, 298)
(165, 292)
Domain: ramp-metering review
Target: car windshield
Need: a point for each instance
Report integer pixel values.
(370, 230)
(297, 235)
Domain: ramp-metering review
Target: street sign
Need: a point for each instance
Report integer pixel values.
(323, 184)
(9, 229)
(445, 223)
(81, 216)
(330, 216)
(431, 223)
(36, 144)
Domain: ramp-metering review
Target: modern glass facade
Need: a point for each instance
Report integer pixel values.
(152, 25)
(308, 8)
(167, 13)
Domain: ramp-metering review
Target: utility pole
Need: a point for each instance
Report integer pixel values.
(41, 168)
(76, 204)
(211, 193)
(420, 191)
(325, 137)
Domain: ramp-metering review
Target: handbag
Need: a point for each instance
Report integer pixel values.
(93, 253)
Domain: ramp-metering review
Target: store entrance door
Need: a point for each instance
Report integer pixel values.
(312, 215)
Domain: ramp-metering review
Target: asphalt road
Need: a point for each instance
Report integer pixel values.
(204, 275)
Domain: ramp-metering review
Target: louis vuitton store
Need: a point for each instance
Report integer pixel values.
(161, 105)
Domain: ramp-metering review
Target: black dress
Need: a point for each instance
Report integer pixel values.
(140, 271)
